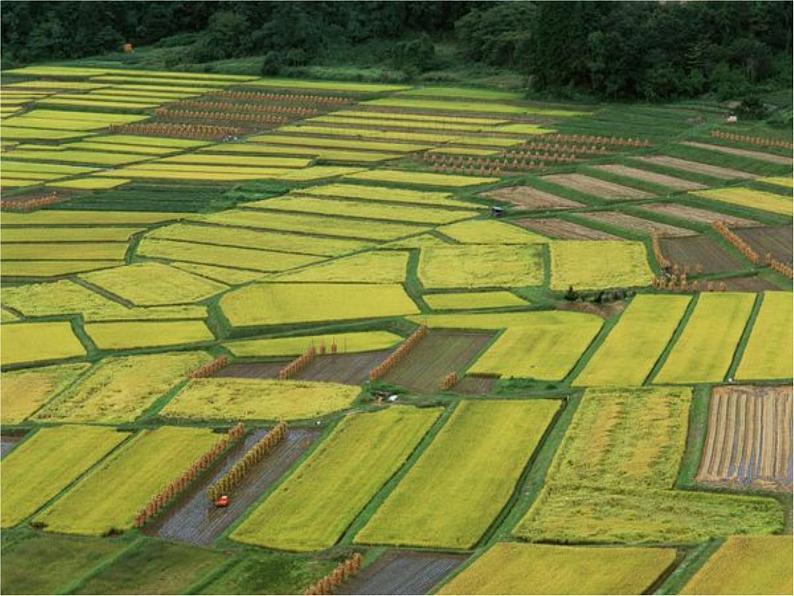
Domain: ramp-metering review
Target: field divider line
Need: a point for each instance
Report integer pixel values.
(363, 516)
(216, 572)
(673, 340)
(598, 340)
(105, 563)
(697, 426)
(741, 346)
(692, 561)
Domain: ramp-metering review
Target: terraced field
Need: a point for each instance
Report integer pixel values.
(515, 350)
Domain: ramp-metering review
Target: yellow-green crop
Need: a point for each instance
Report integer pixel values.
(481, 266)
(768, 352)
(22, 392)
(27, 343)
(315, 505)
(464, 478)
(47, 463)
(598, 264)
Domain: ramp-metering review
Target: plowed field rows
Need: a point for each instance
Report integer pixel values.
(564, 230)
(699, 254)
(749, 438)
(770, 239)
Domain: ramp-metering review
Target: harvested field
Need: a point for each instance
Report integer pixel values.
(436, 355)
(403, 572)
(193, 519)
(694, 166)
(697, 215)
(699, 254)
(749, 438)
(653, 177)
(596, 187)
(748, 283)
(474, 385)
(770, 239)
(564, 230)
(352, 369)
(637, 224)
(252, 370)
(531, 199)
(759, 155)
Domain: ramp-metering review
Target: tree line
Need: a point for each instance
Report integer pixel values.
(616, 50)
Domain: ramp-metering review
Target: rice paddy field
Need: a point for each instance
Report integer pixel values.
(520, 347)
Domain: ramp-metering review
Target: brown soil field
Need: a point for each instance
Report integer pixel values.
(759, 155)
(352, 369)
(403, 572)
(531, 199)
(596, 187)
(699, 254)
(748, 283)
(193, 519)
(252, 370)
(7, 443)
(470, 385)
(749, 438)
(637, 224)
(697, 215)
(769, 239)
(694, 166)
(564, 230)
(439, 353)
(653, 177)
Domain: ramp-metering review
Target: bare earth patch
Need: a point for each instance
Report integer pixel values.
(596, 187)
(638, 224)
(352, 369)
(653, 177)
(532, 199)
(564, 230)
(697, 215)
(694, 166)
(747, 283)
(749, 438)
(403, 572)
(769, 239)
(759, 155)
(699, 254)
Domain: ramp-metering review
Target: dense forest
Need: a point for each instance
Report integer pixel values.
(614, 50)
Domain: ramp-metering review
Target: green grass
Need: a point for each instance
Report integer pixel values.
(464, 478)
(48, 462)
(628, 354)
(153, 567)
(704, 350)
(312, 508)
(50, 563)
(269, 573)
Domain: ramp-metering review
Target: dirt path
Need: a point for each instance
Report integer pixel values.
(195, 520)
(403, 572)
